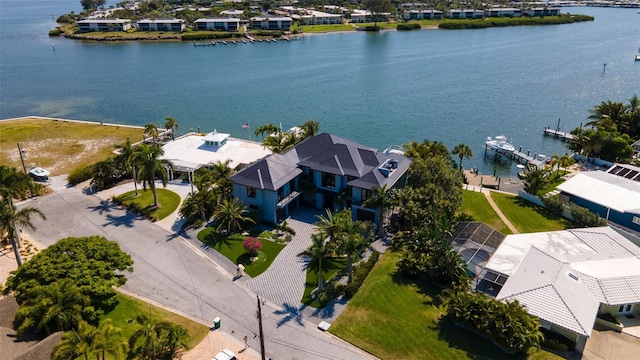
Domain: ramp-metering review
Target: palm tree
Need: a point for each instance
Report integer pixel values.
(463, 151)
(126, 159)
(11, 219)
(172, 125)
(381, 199)
(75, 343)
(230, 215)
(147, 158)
(108, 340)
(566, 161)
(58, 305)
(310, 128)
(319, 253)
(177, 340)
(555, 161)
(534, 180)
(352, 241)
(149, 340)
(14, 184)
(269, 129)
(607, 109)
(151, 129)
(329, 224)
(220, 173)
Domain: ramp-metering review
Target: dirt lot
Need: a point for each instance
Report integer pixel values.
(58, 145)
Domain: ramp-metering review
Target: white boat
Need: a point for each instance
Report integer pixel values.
(499, 144)
(39, 174)
(394, 149)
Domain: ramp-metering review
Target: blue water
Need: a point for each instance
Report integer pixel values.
(377, 89)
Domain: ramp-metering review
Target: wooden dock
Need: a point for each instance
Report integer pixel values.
(528, 159)
(558, 134)
(487, 181)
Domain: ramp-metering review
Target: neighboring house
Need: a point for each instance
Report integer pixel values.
(422, 14)
(614, 194)
(218, 24)
(324, 172)
(541, 11)
(104, 25)
(232, 13)
(312, 17)
(193, 151)
(465, 14)
(176, 25)
(503, 12)
(270, 23)
(566, 278)
(361, 16)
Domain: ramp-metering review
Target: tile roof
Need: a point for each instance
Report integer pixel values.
(551, 291)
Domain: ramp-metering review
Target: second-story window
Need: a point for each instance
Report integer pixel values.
(251, 192)
(365, 194)
(328, 180)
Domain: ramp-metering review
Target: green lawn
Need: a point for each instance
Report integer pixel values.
(231, 247)
(395, 318)
(337, 264)
(325, 28)
(527, 217)
(167, 199)
(476, 205)
(125, 313)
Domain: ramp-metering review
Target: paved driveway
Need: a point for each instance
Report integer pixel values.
(610, 345)
(173, 272)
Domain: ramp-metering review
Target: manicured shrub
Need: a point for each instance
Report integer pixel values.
(331, 291)
(79, 175)
(360, 273)
(610, 318)
(554, 204)
(55, 32)
(554, 344)
(410, 26)
(252, 245)
(586, 217)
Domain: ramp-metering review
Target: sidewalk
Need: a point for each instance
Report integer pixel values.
(487, 194)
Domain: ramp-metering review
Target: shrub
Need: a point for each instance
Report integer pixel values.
(55, 32)
(610, 318)
(554, 344)
(331, 291)
(360, 273)
(252, 245)
(79, 175)
(372, 28)
(66, 19)
(586, 217)
(553, 204)
(411, 26)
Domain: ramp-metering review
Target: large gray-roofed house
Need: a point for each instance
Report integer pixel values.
(327, 166)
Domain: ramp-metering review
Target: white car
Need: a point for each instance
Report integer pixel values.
(225, 354)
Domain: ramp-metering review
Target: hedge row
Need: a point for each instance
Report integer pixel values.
(410, 26)
(79, 175)
(360, 273)
(519, 21)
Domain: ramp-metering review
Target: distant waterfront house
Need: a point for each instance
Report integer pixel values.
(232, 13)
(465, 14)
(503, 12)
(361, 16)
(323, 172)
(541, 11)
(423, 15)
(565, 278)
(190, 152)
(270, 23)
(176, 25)
(614, 194)
(218, 24)
(313, 17)
(104, 25)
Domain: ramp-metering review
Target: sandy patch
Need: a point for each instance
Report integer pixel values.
(8, 261)
(214, 342)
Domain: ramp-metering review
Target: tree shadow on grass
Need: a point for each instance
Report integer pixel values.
(429, 291)
(292, 314)
(473, 344)
(540, 210)
(215, 240)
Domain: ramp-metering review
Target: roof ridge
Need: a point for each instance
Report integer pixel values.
(569, 308)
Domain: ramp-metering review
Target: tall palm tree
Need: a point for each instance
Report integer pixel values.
(15, 185)
(220, 173)
(172, 125)
(11, 219)
(310, 128)
(613, 110)
(147, 158)
(177, 340)
(230, 215)
(352, 241)
(534, 180)
(151, 129)
(109, 340)
(268, 129)
(125, 157)
(57, 306)
(320, 254)
(566, 161)
(381, 199)
(329, 224)
(555, 161)
(463, 151)
(149, 340)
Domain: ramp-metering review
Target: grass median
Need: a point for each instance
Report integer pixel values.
(143, 203)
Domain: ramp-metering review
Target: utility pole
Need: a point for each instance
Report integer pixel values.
(260, 328)
(22, 158)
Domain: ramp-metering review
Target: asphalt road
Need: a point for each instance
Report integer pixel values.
(176, 274)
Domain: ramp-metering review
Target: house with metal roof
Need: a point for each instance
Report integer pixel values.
(89, 25)
(176, 25)
(323, 172)
(566, 278)
(614, 194)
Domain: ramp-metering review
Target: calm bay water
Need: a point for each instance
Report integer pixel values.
(377, 89)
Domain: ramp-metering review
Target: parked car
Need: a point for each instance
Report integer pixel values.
(225, 354)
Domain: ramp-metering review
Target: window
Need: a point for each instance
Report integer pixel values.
(636, 220)
(365, 194)
(328, 180)
(251, 192)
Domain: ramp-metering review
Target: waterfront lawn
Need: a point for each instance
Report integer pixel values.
(527, 217)
(311, 283)
(326, 28)
(476, 205)
(125, 313)
(131, 34)
(231, 246)
(168, 202)
(393, 317)
(60, 146)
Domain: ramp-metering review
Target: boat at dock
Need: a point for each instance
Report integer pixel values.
(499, 144)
